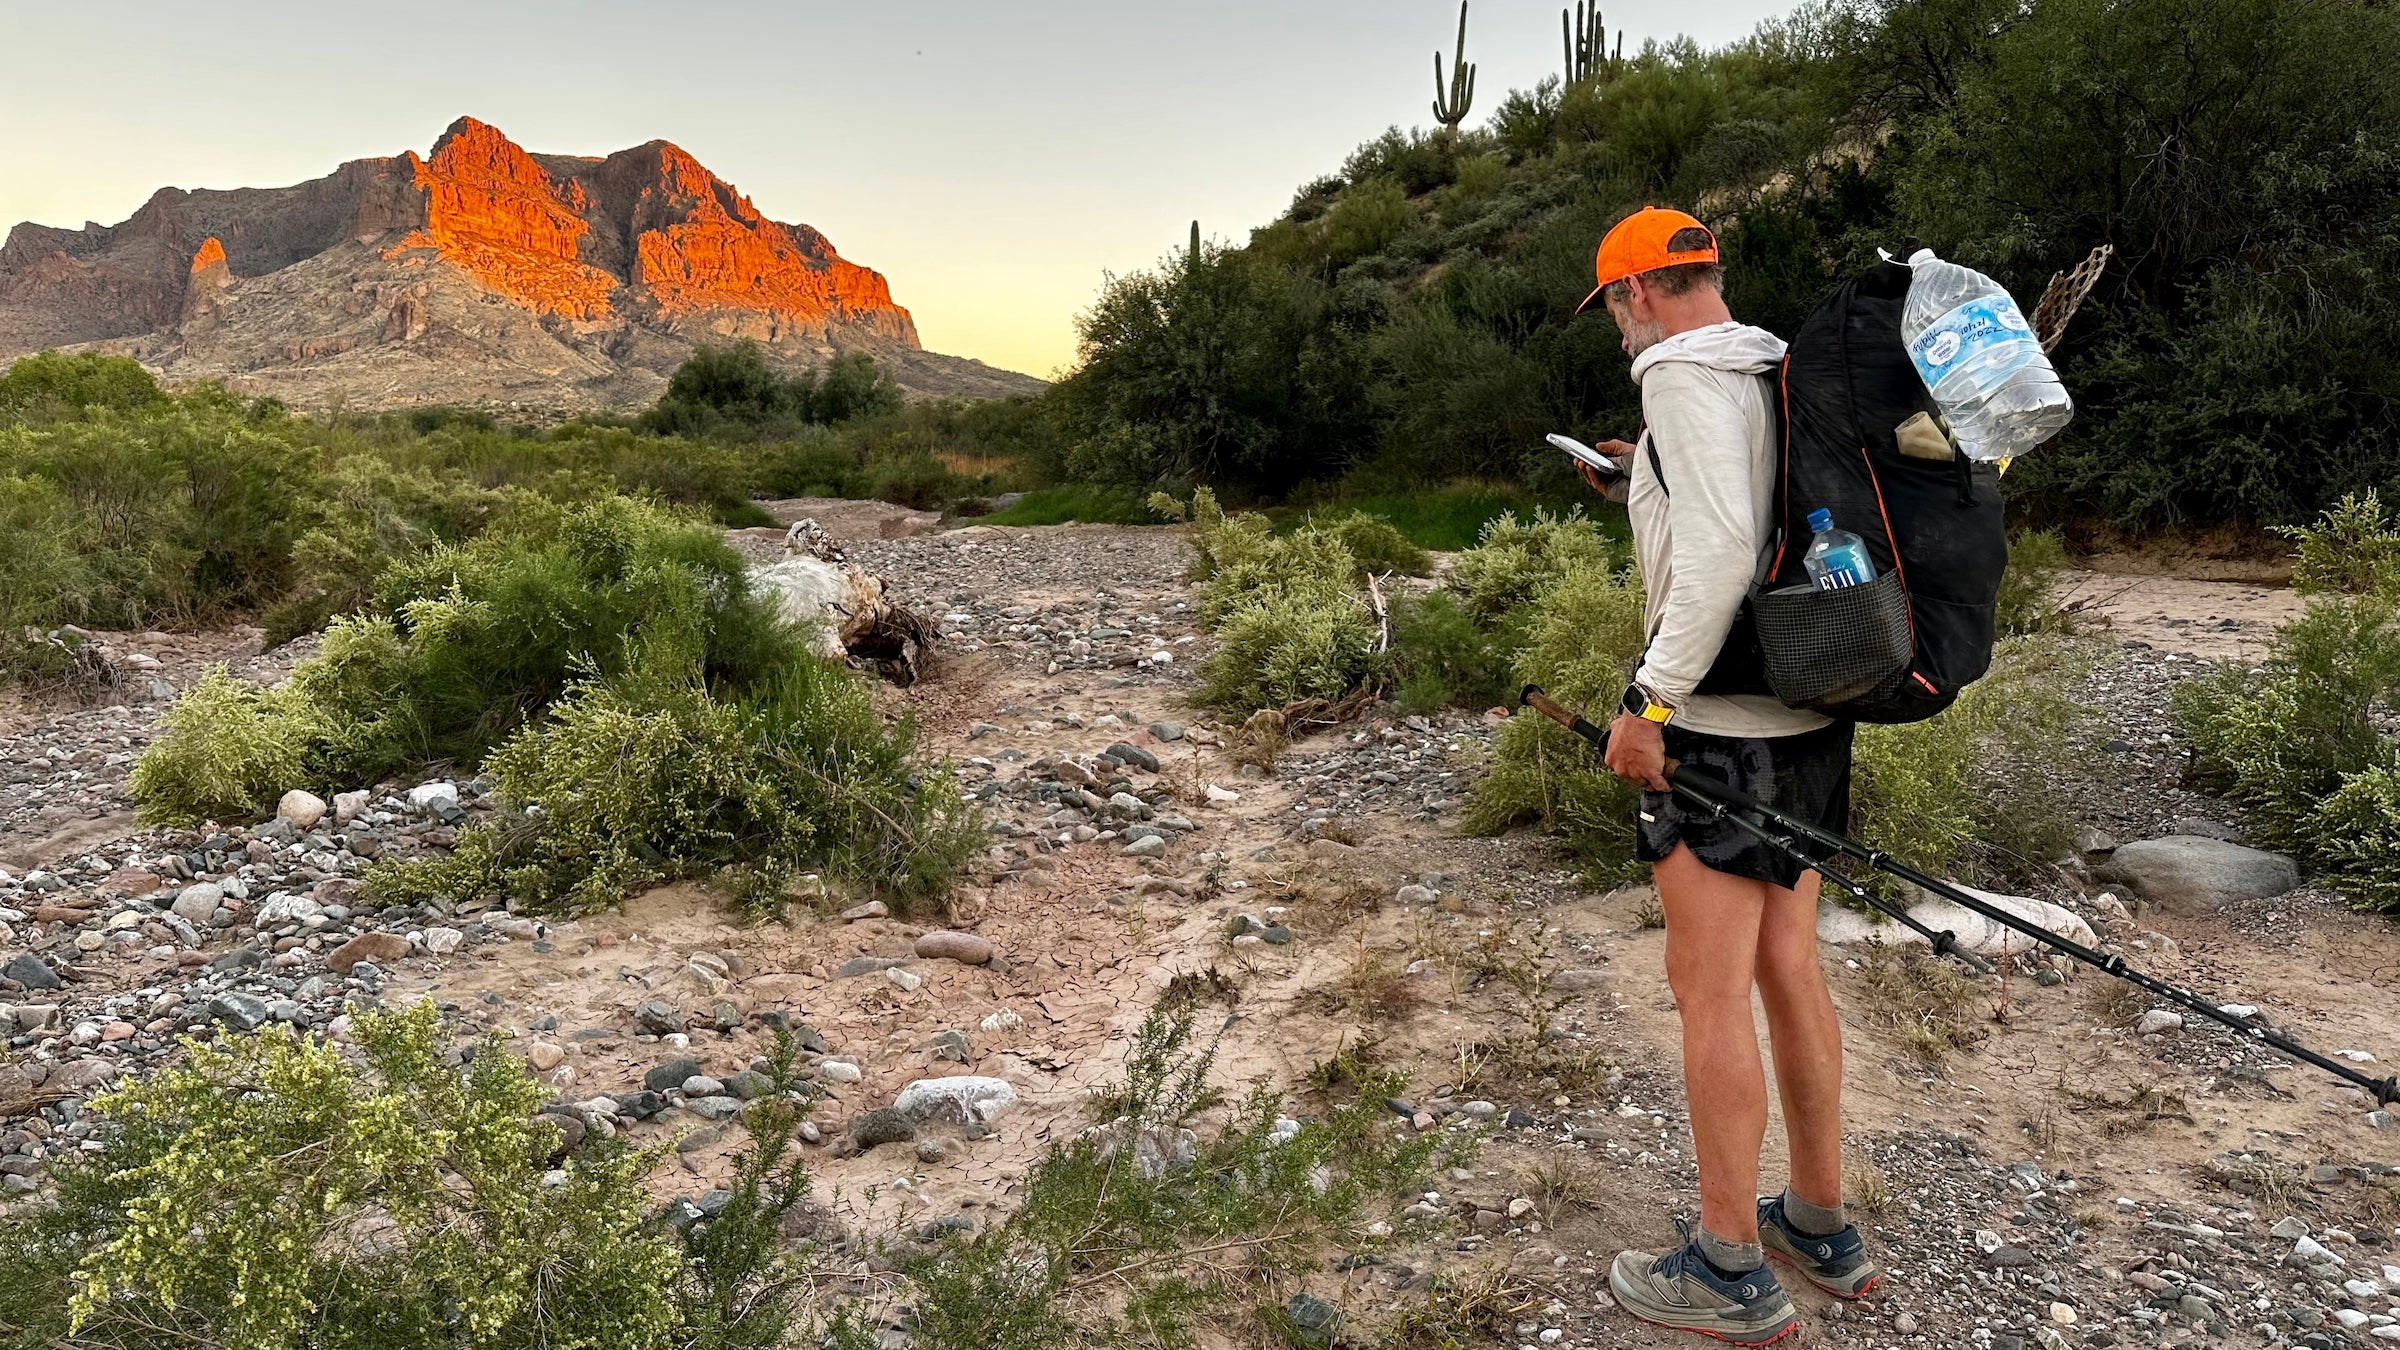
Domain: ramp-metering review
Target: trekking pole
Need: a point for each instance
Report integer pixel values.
(1720, 795)
(1945, 942)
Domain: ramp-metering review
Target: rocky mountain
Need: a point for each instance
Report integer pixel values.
(481, 273)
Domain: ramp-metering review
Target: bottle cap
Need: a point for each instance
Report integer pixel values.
(1820, 520)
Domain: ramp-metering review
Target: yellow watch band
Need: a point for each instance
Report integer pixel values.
(1659, 713)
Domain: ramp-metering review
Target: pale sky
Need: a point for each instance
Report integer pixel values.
(993, 160)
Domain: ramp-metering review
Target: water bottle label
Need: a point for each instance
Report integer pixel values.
(1990, 327)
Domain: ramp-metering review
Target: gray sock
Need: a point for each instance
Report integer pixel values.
(1730, 1258)
(1814, 1220)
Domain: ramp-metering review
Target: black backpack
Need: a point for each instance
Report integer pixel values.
(1901, 647)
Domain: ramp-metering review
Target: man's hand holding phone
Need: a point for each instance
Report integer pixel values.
(1603, 466)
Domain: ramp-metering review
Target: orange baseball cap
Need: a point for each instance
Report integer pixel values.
(1639, 244)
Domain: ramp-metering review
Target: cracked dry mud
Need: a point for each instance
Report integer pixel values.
(2059, 1181)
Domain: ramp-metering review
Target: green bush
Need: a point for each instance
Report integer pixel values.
(1378, 547)
(1115, 1245)
(1582, 638)
(2302, 739)
(271, 1192)
(648, 777)
(2352, 550)
(467, 644)
(1517, 559)
(52, 386)
(2281, 738)
(1967, 793)
(2356, 837)
(2029, 589)
(228, 749)
(266, 1194)
(1442, 658)
(1282, 646)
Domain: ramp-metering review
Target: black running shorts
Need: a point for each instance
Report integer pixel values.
(1807, 776)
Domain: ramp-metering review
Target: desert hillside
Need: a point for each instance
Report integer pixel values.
(480, 273)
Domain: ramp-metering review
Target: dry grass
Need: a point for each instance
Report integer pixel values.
(1513, 964)
(2114, 1003)
(2379, 1202)
(1869, 1190)
(1374, 990)
(1652, 913)
(1477, 1307)
(1557, 1182)
(1925, 1002)
(2272, 1182)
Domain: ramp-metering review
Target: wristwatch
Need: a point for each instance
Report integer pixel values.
(1637, 701)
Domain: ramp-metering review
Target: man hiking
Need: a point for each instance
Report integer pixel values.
(1739, 914)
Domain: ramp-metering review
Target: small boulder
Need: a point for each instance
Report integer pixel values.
(2157, 1020)
(348, 806)
(883, 1125)
(241, 1012)
(302, 809)
(431, 798)
(657, 1017)
(944, 945)
(961, 1100)
(198, 902)
(31, 972)
(379, 948)
(671, 1075)
(2197, 874)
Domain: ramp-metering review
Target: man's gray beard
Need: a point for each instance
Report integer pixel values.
(1642, 337)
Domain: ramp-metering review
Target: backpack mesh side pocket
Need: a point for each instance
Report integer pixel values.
(1826, 648)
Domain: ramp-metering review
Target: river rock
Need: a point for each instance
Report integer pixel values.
(379, 948)
(959, 1100)
(883, 1125)
(348, 806)
(31, 971)
(199, 901)
(2195, 873)
(302, 809)
(945, 945)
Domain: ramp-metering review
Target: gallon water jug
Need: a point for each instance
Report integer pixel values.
(1981, 359)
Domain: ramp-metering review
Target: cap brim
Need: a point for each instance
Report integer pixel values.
(1590, 300)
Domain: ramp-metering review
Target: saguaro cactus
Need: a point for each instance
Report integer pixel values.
(1453, 96)
(1587, 42)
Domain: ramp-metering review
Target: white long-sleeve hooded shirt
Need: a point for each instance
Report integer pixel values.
(1700, 540)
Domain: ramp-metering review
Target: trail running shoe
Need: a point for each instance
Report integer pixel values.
(1837, 1264)
(1679, 1290)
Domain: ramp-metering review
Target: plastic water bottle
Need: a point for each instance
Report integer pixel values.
(1837, 558)
(1981, 359)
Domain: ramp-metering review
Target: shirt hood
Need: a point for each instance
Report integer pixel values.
(1736, 348)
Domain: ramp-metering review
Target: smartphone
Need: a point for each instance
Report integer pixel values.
(1584, 454)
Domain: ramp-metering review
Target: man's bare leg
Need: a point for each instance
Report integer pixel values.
(1807, 1035)
(1713, 926)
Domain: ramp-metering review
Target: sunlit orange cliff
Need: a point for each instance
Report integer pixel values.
(506, 273)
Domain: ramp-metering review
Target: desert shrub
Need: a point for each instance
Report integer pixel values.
(371, 514)
(2029, 589)
(1116, 1243)
(1581, 641)
(1442, 658)
(2302, 739)
(649, 777)
(2280, 738)
(814, 462)
(2356, 837)
(48, 386)
(265, 1193)
(392, 1202)
(229, 749)
(1378, 547)
(1517, 559)
(1290, 620)
(1967, 793)
(2354, 548)
(1280, 646)
(466, 644)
